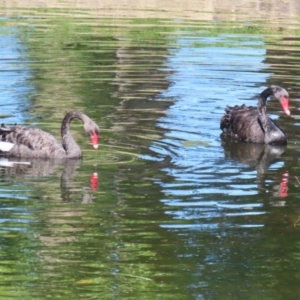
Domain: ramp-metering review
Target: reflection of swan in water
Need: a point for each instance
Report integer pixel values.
(61, 193)
(258, 156)
(33, 168)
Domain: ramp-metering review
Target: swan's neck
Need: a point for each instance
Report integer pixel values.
(71, 147)
(272, 133)
(262, 107)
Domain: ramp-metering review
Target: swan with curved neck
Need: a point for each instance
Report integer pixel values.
(252, 124)
(20, 141)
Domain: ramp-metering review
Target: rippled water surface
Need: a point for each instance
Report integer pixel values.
(165, 208)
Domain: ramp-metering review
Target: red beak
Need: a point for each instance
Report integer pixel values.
(285, 105)
(94, 139)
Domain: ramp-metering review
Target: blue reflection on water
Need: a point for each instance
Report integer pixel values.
(208, 74)
(204, 81)
(14, 89)
(14, 78)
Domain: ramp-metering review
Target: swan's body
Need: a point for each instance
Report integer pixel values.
(252, 124)
(20, 141)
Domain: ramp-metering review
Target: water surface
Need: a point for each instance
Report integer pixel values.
(165, 208)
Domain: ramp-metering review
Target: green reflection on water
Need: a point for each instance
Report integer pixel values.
(77, 243)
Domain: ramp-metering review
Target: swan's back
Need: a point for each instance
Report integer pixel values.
(32, 142)
(242, 123)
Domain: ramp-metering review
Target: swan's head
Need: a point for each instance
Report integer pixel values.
(282, 96)
(93, 131)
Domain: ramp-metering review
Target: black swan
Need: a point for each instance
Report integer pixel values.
(252, 124)
(20, 141)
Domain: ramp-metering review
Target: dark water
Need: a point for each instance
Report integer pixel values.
(174, 211)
